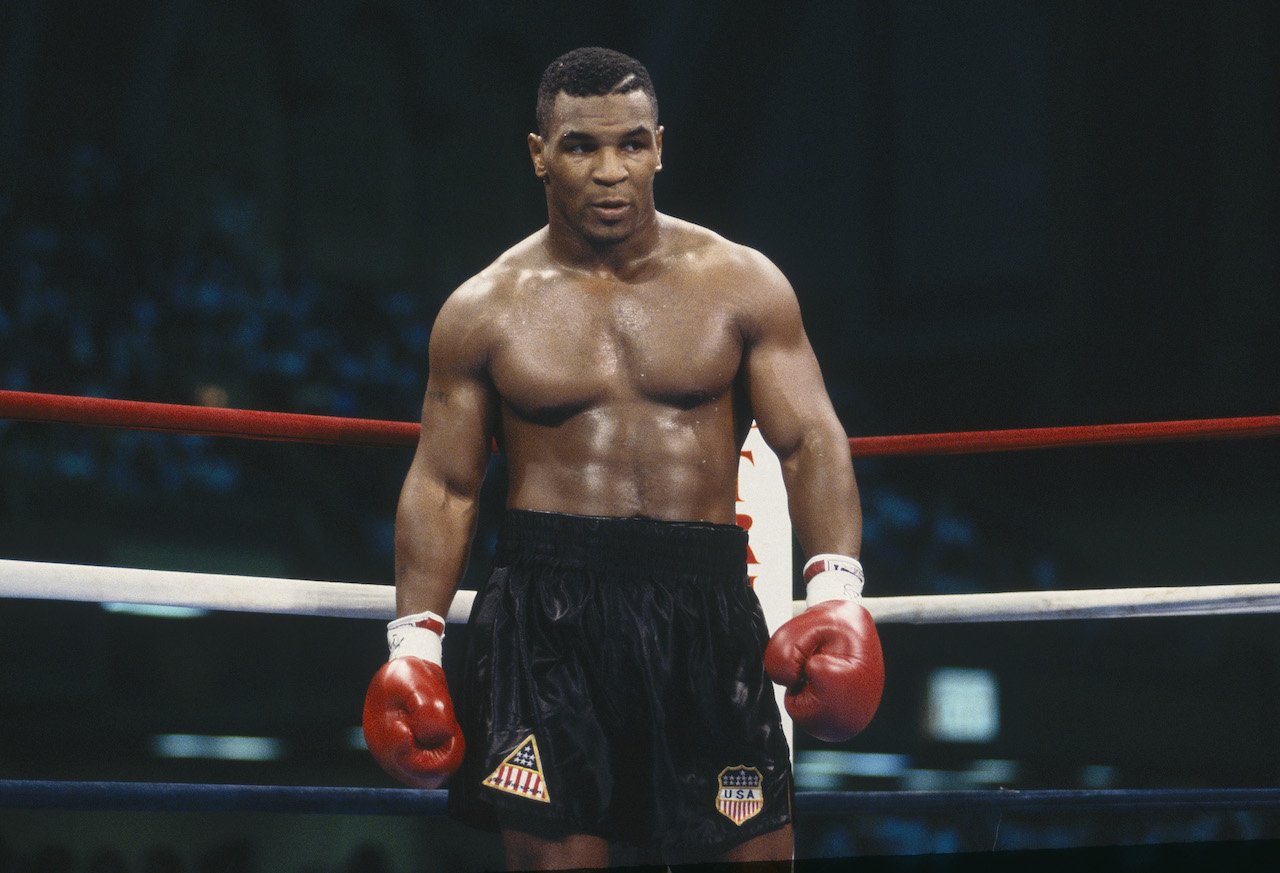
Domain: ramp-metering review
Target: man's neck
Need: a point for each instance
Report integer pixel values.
(622, 258)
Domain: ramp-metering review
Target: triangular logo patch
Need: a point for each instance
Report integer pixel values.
(520, 773)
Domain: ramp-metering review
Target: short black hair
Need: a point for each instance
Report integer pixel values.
(590, 72)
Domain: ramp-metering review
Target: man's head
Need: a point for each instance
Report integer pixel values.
(591, 72)
(598, 145)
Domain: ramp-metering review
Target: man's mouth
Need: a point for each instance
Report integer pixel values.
(611, 210)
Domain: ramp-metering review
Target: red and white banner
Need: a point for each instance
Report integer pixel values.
(762, 511)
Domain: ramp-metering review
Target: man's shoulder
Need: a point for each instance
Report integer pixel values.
(495, 283)
(749, 283)
(709, 250)
(472, 318)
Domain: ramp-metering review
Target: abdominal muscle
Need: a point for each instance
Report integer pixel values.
(638, 459)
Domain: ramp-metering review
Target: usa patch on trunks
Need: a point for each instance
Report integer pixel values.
(741, 793)
(520, 773)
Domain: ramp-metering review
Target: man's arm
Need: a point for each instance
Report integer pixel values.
(796, 419)
(409, 724)
(436, 514)
(829, 656)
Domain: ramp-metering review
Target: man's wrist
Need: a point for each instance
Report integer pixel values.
(832, 577)
(420, 635)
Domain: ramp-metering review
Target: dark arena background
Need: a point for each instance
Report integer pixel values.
(995, 215)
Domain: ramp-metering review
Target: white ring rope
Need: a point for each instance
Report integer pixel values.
(86, 583)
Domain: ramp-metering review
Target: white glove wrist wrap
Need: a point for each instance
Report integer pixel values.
(420, 635)
(832, 577)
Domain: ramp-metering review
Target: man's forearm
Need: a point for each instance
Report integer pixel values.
(434, 528)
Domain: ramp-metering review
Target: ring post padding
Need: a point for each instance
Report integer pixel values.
(762, 511)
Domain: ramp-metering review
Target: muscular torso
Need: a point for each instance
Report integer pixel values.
(621, 396)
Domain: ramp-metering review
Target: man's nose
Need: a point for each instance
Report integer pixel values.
(610, 169)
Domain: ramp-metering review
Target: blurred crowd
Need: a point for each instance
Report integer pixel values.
(967, 831)
(89, 315)
(954, 834)
(85, 312)
(232, 857)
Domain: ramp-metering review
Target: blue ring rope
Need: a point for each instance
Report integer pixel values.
(1034, 800)
(194, 797)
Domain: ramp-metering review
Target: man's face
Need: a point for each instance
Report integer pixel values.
(598, 160)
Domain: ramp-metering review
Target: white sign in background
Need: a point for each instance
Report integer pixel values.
(762, 511)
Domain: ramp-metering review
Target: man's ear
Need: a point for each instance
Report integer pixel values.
(657, 142)
(536, 146)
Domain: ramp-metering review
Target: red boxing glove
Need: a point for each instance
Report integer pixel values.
(829, 656)
(409, 723)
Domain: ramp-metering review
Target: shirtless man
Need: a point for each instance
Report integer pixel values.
(614, 686)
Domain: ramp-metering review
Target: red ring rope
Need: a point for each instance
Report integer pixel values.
(977, 441)
(297, 427)
(206, 420)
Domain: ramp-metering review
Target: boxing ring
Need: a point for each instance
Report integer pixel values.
(70, 582)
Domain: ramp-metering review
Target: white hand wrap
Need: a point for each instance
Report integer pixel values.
(832, 577)
(417, 636)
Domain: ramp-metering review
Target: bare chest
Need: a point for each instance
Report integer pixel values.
(577, 350)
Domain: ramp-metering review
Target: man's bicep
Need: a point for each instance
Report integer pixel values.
(787, 393)
(458, 416)
(784, 381)
(459, 407)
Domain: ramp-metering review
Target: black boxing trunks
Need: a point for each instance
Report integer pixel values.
(614, 686)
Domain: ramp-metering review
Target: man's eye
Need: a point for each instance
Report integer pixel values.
(577, 148)
(632, 146)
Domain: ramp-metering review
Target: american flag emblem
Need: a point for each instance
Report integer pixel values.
(520, 773)
(741, 794)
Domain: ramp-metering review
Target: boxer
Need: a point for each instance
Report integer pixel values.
(614, 688)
